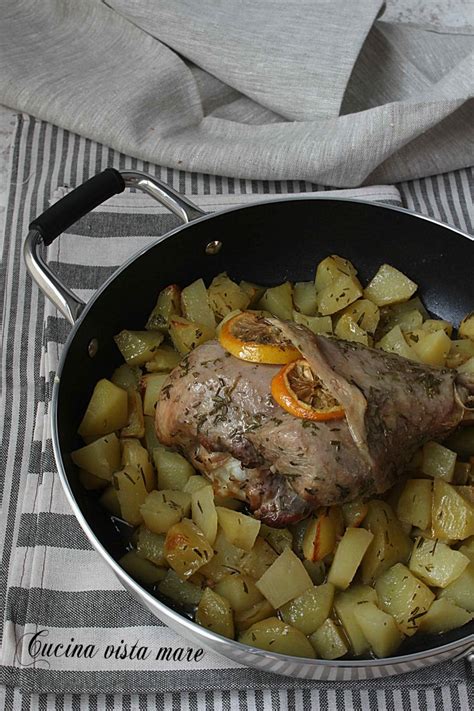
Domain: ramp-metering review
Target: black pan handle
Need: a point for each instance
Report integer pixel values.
(77, 203)
(45, 228)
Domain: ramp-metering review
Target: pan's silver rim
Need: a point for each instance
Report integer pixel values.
(463, 644)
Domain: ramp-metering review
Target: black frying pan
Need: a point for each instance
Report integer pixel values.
(267, 242)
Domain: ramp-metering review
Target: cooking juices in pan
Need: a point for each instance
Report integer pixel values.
(280, 526)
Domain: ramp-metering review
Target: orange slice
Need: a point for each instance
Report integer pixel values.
(301, 393)
(249, 336)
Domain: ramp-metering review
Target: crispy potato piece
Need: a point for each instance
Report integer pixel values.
(404, 596)
(106, 412)
(165, 358)
(204, 512)
(349, 553)
(127, 376)
(309, 611)
(452, 515)
(186, 549)
(435, 563)
(174, 471)
(330, 269)
(394, 342)
(131, 491)
(135, 426)
(389, 286)
(432, 347)
(273, 635)
(461, 590)
(321, 533)
(256, 562)
(227, 558)
(260, 611)
(138, 346)
(240, 591)
(284, 580)
(316, 324)
(215, 613)
(348, 330)
(141, 569)
(109, 500)
(390, 544)
(151, 546)
(278, 301)
(339, 294)
(133, 453)
(304, 298)
(466, 327)
(195, 304)
(365, 314)
(438, 461)
(443, 616)
(239, 529)
(153, 383)
(414, 504)
(187, 335)
(167, 305)
(101, 457)
(183, 592)
(91, 482)
(379, 628)
(163, 509)
(345, 603)
(226, 296)
(328, 641)
(354, 512)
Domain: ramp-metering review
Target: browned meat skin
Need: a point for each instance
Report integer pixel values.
(219, 412)
(208, 407)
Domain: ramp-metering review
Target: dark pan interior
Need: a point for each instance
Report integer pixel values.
(265, 243)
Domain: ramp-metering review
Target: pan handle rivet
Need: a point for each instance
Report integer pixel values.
(93, 347)
(213, 247)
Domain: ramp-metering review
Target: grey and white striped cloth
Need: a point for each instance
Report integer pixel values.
(51, 578)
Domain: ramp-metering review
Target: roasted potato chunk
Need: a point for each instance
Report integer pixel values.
(345, 603)
(106, 412)
(167, 305)
(239, 529)
(240, 590)
(273, 635)
(278, 301)
(328, 641)
(443, 616)
(389, 286)
(173, 470)
(435, 563)
(163, 509)
(130, 485)
(390, 543)
(309, 611)
(349, 553)
(141, 569)
(186, 549)
(284, 580)
(100, 458)
(181, 591)
(204, 512)
(379, 628)
(215, 613)
(195, 304)
(187, 335)
(452, 515)
(404, 596)
(226, 296)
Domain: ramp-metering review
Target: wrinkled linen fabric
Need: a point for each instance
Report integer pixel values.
(319, 90)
